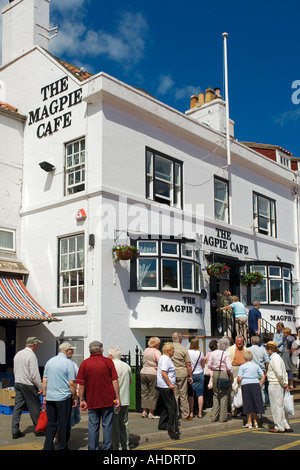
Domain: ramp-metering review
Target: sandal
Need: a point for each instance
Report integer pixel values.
(249, 426)
(255, 424)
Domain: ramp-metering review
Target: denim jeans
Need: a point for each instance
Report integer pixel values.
(94, 427)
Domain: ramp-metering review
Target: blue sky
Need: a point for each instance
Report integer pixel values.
(173, 49)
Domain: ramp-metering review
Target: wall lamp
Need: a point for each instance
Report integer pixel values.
(46, 166)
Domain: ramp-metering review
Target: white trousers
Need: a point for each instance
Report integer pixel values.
(280, 417)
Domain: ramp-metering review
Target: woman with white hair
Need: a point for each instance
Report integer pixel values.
(251, 377)
(220, 363)
(148, 378)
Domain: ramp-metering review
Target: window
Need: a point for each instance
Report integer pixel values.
(163, 179)
(264, 215)
(283, 159)
(71, 275)
(221, 200)
(276, 287)
(75, 166)
(168, 265)
(7, 240)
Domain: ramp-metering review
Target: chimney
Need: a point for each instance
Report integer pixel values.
(210, 111)
(25, 24)
(200, 99)
(217, 93)
(209, 95)
(194, 101)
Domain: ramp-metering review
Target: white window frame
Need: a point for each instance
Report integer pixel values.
(224, 203)
(177, 261)
(70, 271)
(139, 261)
(271, 229)
(193, 273)
(13, 234)
(77, 169)
(174, 181)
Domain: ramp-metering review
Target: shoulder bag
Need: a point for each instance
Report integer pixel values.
(223, 383)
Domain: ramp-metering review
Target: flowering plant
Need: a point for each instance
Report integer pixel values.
(124, 252)
(253, 278)
(215, 269)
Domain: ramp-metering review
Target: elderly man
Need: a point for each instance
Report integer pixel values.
(28, 385)
(120, 421)
(98, 390)
(182, 363)
(236, 353)
(254, 320)
(278, 384)
(59, 391)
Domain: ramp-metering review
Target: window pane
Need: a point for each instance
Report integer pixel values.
(220, 190)
(286, 273)
(187, 250)
(163, 168)
(170, 274)
(162, 189)
(187, 275)
(147, 273)
(169, 248)
(6, 240)
(287, 292)
(220, 211)
(274, 271)
(276, 290)
(264, 207)
(146, 247)
(259, 292)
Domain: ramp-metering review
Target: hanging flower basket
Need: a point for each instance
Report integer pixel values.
(124, 252)
(217, 269)
(252, 279)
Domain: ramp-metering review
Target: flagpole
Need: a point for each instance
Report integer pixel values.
(226, 99)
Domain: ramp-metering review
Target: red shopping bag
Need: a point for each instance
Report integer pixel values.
(42, 421)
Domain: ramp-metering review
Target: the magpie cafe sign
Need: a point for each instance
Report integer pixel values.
(188, 306)
(56, 111)
(223, 240)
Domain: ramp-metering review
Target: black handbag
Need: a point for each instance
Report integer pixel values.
(223, 383)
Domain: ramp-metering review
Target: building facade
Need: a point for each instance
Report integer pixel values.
(101, 163)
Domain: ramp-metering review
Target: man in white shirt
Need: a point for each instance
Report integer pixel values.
(28, 385)
(278, 384)
(120, 428)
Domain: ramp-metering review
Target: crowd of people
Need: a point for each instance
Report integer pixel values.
(66, 388)
(242, 378)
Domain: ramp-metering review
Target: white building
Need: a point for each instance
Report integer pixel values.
(105, 163)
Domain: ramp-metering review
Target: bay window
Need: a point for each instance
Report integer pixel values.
(167, 265)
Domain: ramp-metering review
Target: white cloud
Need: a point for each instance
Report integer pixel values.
(288, 116)
(167, 85)
(125, 45)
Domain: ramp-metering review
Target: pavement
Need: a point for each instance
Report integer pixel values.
(143, 431)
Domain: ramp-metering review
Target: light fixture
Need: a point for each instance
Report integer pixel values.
(46, 166)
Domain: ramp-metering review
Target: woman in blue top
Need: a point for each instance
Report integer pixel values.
(240, 316)
(248, 376)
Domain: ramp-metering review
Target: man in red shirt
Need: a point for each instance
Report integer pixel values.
(98, 391)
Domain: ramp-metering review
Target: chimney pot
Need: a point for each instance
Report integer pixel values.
(217, 93)
(209, 95)
(200, 99)
(194, 101)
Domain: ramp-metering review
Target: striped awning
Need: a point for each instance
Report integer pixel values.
(17, 304)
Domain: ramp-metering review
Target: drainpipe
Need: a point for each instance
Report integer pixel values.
(226, 99)
(296, 195)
